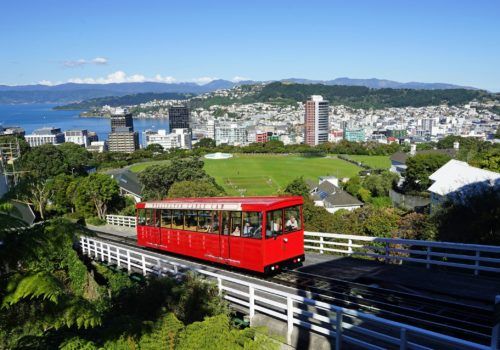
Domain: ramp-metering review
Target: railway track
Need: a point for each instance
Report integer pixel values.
(470, 322)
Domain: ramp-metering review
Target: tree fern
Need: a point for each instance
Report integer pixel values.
(41, 285)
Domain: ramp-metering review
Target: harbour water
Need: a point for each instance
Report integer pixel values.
(34, 116)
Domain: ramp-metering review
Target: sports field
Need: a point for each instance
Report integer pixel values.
(375, 162)
(267, 174)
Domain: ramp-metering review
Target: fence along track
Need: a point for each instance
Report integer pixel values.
(344, 325)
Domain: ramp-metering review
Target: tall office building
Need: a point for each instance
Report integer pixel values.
(316, 121)
(121, 119)
(122, 137)
(178, 117)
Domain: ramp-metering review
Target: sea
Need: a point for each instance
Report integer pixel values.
(35, 116)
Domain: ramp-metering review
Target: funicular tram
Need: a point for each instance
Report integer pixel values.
(263, 234)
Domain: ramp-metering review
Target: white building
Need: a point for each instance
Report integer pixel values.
(45, 136)
(316, 120)
(80, 137)
(98, 146)
(179, 138)
(231, 134)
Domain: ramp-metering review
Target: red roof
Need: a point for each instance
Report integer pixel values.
(224, 203)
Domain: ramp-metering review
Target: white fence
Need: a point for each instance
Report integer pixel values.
(344, 325)
(121, 220)
(473, 257)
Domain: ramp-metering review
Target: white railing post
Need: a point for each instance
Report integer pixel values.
(118, 260)
(349, 247)
(289, 318)
(402, 339)
(428, 257)
(129, 267)
(495, 333)
(321, 244)
(95, 249)
(82, 244)
(144, 270)
(338, 336)
(476, 263)
(219, 285)
(251, 302)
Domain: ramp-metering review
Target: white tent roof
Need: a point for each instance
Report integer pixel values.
(456, 174)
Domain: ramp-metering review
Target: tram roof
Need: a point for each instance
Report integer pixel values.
(224, 203)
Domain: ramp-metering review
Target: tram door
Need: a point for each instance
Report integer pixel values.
(154, 230)
(224, 235)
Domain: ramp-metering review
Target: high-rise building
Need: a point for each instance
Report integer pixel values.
(231, 134)
(178, 117)
(178, 138)
(121, 119)
(316, 121)
(122, 137)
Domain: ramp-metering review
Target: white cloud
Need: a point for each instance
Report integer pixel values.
(165, 79)
(238, 78)
(81, 62)
(47, 82)
(122, 77)
(203, 80)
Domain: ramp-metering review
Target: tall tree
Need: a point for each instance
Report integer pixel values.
(100, 190)
(420, 167)
(197, 188)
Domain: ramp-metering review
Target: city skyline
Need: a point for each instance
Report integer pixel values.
(449, 42)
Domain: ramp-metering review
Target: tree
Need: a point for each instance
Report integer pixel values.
(100, 190)
(298, 187)
(488, 160)
(196, 188)
(76, 157)
(44, 162)
(416, 226)
(155, 148)
(157, 179)
(205, 142)
(35, 190)
(60, 197)
(419, 168)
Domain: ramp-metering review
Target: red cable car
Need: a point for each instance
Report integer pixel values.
(263, 234)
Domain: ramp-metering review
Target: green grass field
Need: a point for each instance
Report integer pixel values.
(138, 167)
(375, 162)
(267, 174)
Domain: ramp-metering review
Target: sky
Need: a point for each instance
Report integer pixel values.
(104, 41)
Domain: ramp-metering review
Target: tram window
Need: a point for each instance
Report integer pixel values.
(141, 217)
(149, 217)
(166, 218)
(157, 215)
(274, 223)
(252, 225)
(235, 223)
(292, 219)
(215, 222)
(225, 223)
(178, 220)
(204, 221)
(190, 220)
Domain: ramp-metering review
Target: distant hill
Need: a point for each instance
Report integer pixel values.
(379, 84)
(353, 96)
(126, 100)
(72, 92)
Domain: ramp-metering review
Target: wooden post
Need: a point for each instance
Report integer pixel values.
(349, 247)
(251, 302)
(402, 339)
(477, 263)
(428, 257)
(129, 267)
(321, 244)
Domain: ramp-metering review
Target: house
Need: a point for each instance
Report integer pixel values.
(456, 178)
(128, 182)
(327, 193)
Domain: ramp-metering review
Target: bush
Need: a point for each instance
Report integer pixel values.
(94, 220)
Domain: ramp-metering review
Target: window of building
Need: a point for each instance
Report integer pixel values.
(166, 218)
(274, 223)
(252, 225)
(178, 220)
(292, 219)
(190, 220)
